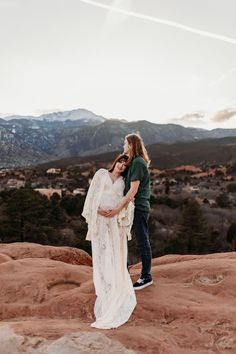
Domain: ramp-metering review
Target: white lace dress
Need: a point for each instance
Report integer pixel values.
(116, 298)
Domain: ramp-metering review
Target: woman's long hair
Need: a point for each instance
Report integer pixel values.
(119, 158)
(137, 148)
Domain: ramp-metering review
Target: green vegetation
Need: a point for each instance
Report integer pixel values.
(231, 236)
(28, 216)
(223, 200)
(192, 236)
(231, 188)
(181, 219)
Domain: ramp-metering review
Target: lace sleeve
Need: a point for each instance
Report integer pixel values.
(125, 219)
(92, 201)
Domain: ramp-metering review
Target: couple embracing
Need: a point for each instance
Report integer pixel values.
(116, 203)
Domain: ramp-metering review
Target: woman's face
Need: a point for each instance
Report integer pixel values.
(126, 147)
(120, 167)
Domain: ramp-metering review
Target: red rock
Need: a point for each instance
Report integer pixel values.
(4, 258)
(19, 250)
(45, 288)
(73, 343)
(190, 309)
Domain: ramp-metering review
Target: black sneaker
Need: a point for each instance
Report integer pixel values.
(141, 283)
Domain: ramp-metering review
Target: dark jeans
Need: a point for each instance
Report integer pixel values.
(140, 230)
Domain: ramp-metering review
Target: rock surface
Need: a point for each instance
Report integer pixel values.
(190, 309)
(74, 343)
(19, 250)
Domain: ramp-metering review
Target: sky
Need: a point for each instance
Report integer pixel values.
(165, 61)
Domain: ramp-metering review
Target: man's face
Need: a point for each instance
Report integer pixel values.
(126, 147)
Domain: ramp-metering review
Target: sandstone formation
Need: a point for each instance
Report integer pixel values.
(19, 250)
(74, 343)
(190, 309)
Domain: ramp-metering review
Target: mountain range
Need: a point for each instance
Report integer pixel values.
(28, 140)
(202, 152)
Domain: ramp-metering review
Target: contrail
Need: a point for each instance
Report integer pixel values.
(162, 21)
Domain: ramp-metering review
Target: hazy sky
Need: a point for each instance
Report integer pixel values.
(136, 64)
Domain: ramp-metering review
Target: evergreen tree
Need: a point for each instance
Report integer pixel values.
(217, 243)
(231, 236)
(57, 216)
(73, 205)
(167, 185)
(223, 200)
(29, 215)
(193, 236)
(231, 188)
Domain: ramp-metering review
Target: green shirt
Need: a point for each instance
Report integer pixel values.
(138, 171)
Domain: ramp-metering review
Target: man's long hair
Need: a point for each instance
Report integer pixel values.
(137, 148)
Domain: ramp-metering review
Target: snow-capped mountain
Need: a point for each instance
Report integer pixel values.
(75, 114)
(30, 140)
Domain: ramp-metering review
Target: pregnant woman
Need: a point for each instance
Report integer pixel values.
(116, 299)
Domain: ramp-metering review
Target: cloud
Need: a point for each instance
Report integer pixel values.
(193, 119)
(206, 119)
(223, 116)
(163, 21)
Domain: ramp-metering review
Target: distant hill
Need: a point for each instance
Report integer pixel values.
(28, 140)
(205, 151)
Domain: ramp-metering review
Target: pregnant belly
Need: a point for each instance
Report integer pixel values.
(108, 202)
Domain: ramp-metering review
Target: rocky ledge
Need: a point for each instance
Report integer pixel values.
(47, 297)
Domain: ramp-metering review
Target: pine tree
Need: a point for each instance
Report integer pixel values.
(28, 213)
(193, 236)
(231, 236)
(223, 200)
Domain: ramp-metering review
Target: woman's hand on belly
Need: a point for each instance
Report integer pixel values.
(112, 213)
(103, 212)
(108, 213)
